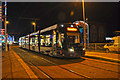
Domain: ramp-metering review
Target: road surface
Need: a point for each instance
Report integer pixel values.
(46, 67)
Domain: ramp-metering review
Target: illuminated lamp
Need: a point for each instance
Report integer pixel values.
(62, 25)
(71, 29)
(71, 26)
(7, 22)
(2, 31)
(77, 24)
(42, 36)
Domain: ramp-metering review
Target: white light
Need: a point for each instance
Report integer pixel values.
(83, 48)
(71, 50)
(77, 23)
(0, 44)
(62, 25)
(108, 38)
(71, 25)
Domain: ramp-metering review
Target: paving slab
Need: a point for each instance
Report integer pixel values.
(107, 56)
(11, 68)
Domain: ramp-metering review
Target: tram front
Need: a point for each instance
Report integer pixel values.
(72, 44)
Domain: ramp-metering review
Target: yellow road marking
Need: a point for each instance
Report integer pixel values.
(26, 67)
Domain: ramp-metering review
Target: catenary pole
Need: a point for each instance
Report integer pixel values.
(84, 24)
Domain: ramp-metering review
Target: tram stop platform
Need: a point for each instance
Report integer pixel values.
(12, 68)
(114, 57)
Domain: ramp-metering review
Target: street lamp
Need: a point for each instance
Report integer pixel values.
(6, 22)
(34, 24)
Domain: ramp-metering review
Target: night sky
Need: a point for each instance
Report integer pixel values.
(21, 15)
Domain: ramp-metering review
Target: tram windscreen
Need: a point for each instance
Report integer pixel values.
(73, 38)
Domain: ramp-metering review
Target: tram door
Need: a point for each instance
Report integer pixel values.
(54, 43)
(27, 43)
(60, 39)
(36, 43)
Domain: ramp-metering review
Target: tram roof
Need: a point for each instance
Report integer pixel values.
(44, 30)
(49, 28)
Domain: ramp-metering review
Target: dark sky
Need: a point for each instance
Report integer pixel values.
(21, 15)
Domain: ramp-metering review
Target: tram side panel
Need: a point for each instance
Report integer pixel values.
(23, 43)
(27, 43)
(20, 42)
(34, 44)
(45, 43)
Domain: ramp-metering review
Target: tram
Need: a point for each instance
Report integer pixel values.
(59, 40)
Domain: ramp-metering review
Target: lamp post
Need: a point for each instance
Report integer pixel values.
(84, 28)
(87, 31)
(6, 22)
(34, 24)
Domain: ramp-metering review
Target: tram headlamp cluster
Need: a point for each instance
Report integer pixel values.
(62, 25)
(83, 48)
(71, 50)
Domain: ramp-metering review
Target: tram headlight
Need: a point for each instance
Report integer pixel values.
(83, 48)
(71, 50)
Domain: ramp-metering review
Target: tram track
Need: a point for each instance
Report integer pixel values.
(67, 69)
(70, 70)
(94, 66)
(47, 75)
(99, 68)
(62, 68)
(91, 66)
(41, 71)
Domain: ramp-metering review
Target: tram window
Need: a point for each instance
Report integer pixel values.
(46, 40)
(62, 37)
(36, 41)
(33, 41)
(64, 44)
(73, 39)
(27, 41)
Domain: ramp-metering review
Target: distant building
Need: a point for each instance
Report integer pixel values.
(97, 32)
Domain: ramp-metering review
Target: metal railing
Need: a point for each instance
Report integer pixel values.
(95, 47)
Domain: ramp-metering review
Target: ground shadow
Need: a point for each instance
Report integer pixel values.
(40, 59)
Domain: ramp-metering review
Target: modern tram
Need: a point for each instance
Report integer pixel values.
(59, 40)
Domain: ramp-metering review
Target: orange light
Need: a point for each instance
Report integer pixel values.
(7, 22)
(2, 31)
(34, 23)
(71, 29)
